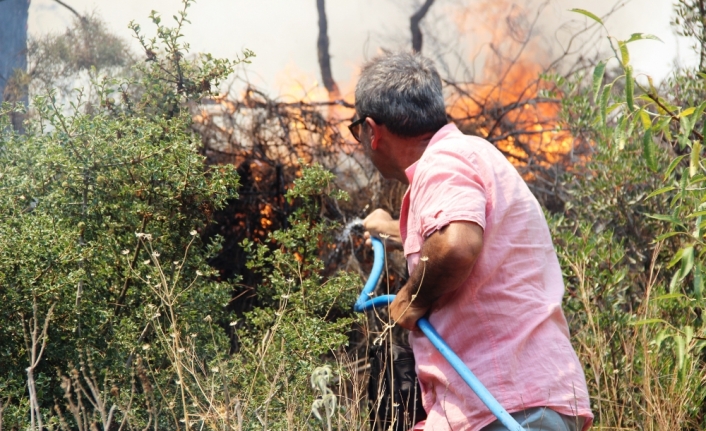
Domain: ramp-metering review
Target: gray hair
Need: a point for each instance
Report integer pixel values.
(402, 91)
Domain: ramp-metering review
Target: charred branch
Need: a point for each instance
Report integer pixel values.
(82, 18)
(414, 25)
(322, 47)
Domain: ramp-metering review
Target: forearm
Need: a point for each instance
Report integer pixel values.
(392, 229)
(435, 275)
(446, 261)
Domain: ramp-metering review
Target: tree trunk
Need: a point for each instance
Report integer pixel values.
(414, 21)
(702, 38)
(324, 56)
(13, 53)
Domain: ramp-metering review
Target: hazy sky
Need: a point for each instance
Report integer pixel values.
(283, 32)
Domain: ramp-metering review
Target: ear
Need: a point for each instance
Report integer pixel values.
(375, 133)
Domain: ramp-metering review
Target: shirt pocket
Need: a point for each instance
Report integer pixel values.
(413, 242)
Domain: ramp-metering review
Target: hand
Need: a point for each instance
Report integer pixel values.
(404, 311)
(380, 222)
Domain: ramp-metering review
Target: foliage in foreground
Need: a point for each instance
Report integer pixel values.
(119, 318)
(631, 241)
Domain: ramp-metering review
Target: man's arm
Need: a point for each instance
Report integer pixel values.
(446, 261)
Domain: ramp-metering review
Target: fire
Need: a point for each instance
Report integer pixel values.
(267, 214)
(514, 116)
(506, 103)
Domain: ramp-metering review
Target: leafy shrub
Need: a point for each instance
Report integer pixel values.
(92, 200)
(631, 241)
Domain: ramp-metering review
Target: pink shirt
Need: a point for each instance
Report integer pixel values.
(505, 321)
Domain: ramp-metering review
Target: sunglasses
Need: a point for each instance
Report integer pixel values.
(356, 127)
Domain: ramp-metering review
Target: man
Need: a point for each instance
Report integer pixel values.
(481, 260)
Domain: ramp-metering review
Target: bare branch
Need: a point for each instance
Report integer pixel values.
(414, 21)
(38, 342)
(322, 47)
(73, 11)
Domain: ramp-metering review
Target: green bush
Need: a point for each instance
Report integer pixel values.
(631, 245)
(117, 318)
(100, 211)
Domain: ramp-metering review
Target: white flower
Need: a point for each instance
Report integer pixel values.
(199, 273)
(193, 232)
(155, 254)
(180, 350)
(194, 335)
(233, 323)
(126, 251)
(207, 318)
(145, 347)
(147, 262)
(214, 369)
(424, 258)
(285, 296)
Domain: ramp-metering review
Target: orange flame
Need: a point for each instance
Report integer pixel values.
(506, 105)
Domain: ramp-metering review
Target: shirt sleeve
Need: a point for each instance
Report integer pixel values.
(449, 187)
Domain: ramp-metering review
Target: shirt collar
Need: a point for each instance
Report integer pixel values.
(439, 135)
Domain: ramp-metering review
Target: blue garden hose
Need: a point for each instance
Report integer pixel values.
(365, 302)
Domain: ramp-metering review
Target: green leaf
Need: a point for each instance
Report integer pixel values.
(661, 336)
(688, 334)
(642, 36)
(645, 118)
(673, 283)
(699, 220)
(673, 165)
(660, 191)
(648, 150)
(613, 107)
(687, 111)
(679, 255)
(588, 14)
(629, 88)
(598, 73)
(668, 296)
(700, 111)
(666, 235)
(647, 322)
(698, 281)
(695, 158)
(624, 54)
(687, 262)
(697, 214)
(662, 217)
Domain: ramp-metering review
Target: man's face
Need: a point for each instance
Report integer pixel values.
(372, 137)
